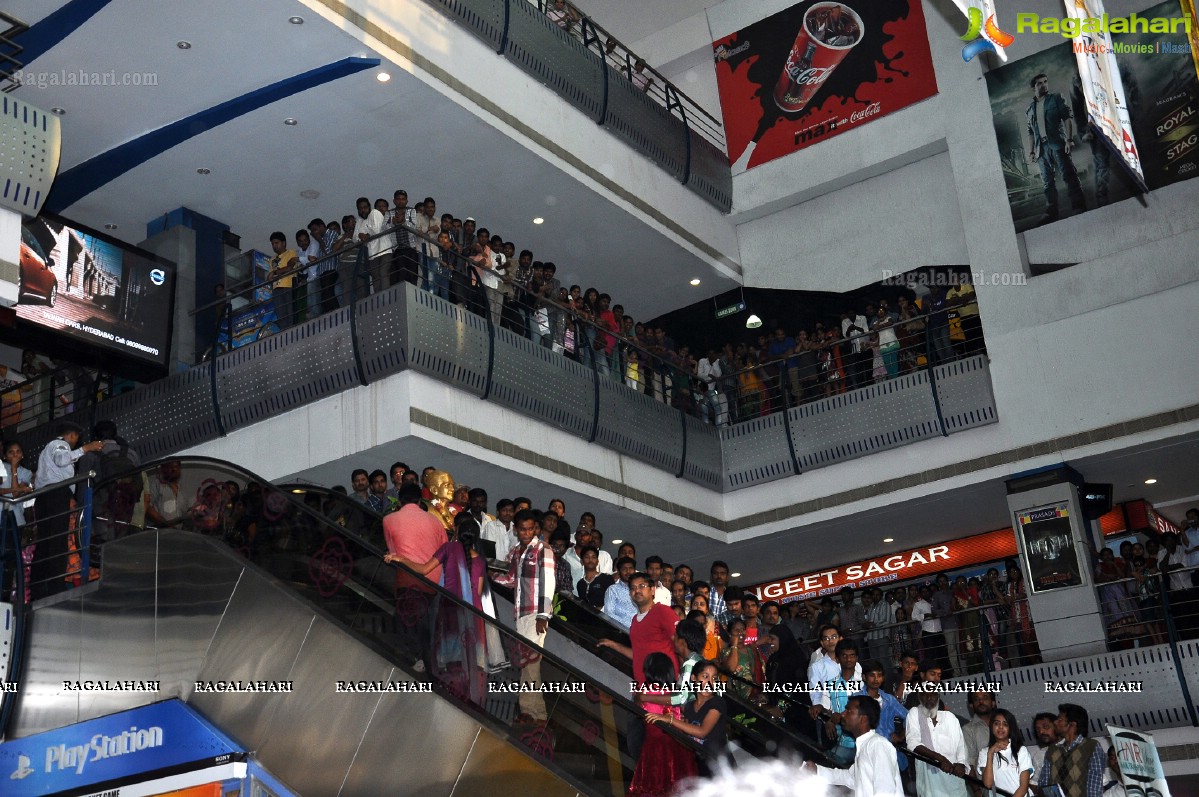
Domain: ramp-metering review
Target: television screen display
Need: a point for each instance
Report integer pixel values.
(95, 290)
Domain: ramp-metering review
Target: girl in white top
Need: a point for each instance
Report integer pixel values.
(1006, 763)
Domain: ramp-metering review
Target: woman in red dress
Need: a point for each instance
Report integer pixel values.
(664, 762)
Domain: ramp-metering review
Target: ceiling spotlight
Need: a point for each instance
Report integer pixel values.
(753, 322)
(58, 111)
(202, 170)
(695, 281)
(888, 539)
(296, 20)
(291, 121)
(539, 220)
(734, 575)
(310, 193)
(1151, 481)
(183, 45)
(617, 542)
(110, 226)
(383, 77)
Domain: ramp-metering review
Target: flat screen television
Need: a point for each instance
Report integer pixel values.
(92, 299)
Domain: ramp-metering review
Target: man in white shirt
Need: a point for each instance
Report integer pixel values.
(606, 565)
(854, 326)
(931, 638)
(936, 733)
(708, 369)
(574, 556)
(500, 530)
(378, 251)
(308, 250)
(653, 566)
(875, 769)
(56, 464)
(1190, 545)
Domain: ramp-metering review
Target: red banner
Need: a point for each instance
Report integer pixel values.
(901, 566)
(816, 70)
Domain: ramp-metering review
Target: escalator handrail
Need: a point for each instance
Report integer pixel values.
(624, 701)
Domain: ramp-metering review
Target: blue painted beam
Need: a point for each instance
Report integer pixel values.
(79, 181)
(43, 36)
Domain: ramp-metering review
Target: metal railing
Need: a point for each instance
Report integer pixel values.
(590, 70)
(506, 339)
(56, 395)
(633, 67)
(826, 365)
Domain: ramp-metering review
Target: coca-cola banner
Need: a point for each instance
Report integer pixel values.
(818, 69)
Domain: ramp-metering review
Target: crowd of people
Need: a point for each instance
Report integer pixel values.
(820, 668)
(857, 675)
(479, 270)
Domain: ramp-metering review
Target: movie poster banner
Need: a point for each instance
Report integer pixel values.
(818, 69)
(1102, 90)
(1046, 180)
(1049, 547)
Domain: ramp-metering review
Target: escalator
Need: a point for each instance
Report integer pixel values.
(759, 725)
(272, 613)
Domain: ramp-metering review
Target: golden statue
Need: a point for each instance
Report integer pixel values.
(441, 505)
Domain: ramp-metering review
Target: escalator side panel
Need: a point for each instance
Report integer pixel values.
(55, 632)
(491, 772)
(193, 592)
(259, 638)
(444, 740)
(324, 724)
(118, 644)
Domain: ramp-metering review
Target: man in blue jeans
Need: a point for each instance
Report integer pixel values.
(1050, 140)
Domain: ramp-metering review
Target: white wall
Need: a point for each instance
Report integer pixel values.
(418, 28)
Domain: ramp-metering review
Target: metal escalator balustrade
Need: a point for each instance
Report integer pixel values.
(326, 553)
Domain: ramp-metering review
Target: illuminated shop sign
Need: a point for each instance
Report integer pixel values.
(151, 741)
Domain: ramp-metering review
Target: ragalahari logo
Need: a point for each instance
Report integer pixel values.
(983, 33)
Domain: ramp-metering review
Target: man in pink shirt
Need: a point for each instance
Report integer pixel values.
(414, 534)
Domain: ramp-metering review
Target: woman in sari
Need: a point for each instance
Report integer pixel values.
(743, 661)
(465, 648)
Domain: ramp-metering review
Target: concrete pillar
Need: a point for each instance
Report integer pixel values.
(1054, 544)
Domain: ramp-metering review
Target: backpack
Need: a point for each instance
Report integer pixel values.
(114, 463)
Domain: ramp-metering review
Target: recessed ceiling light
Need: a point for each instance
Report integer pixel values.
(539, 220)
(734, 575)
(202, 170)
(291, 121)
(298, 491)
(58, 111)
(110, 226)
(617, 542)
(296, 20)
(1151, 481)
(183, 45)
(888, 539)
(383, 77)
(310, 193)
(695, 281)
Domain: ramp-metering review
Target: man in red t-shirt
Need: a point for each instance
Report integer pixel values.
(413, 534)
(652, 631)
